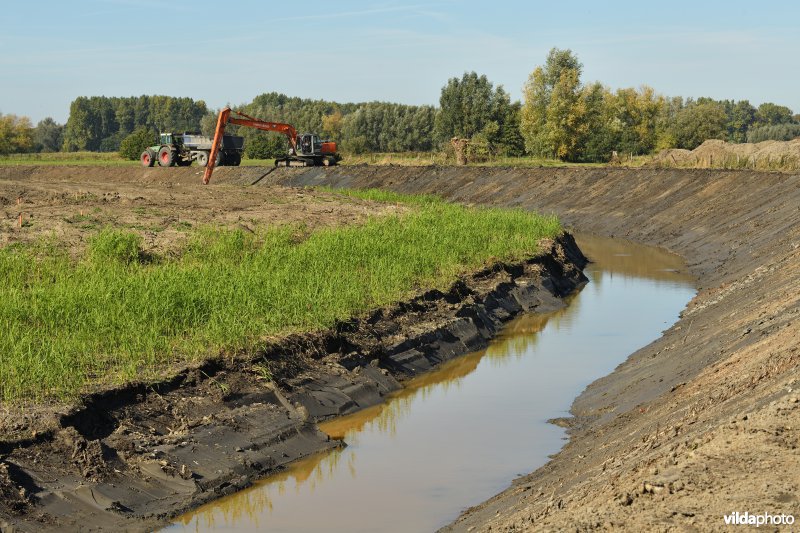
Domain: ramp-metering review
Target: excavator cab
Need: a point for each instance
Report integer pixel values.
(309, 144)
(313, 145)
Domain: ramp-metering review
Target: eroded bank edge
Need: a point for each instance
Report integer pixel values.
(137, 455)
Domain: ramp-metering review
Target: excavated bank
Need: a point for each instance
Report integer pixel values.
(133, 457)
(698, 424)
(703, 422)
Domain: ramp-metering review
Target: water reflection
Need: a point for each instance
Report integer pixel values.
(456, 436)
(515, 341)
(618, 256)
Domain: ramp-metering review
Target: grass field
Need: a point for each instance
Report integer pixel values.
(116, 314)
(67, 158)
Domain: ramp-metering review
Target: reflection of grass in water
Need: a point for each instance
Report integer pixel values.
(517, 339)
(618, 256)
(253, 502)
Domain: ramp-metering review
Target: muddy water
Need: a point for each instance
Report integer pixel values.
(456, 436)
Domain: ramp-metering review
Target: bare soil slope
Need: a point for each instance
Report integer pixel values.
(703, 422)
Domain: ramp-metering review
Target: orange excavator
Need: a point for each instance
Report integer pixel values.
(305, 149)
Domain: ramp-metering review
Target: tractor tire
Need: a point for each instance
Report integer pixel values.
(221, 160)
(235, 160)
(148, 158)
(166, 157)
(202, 159)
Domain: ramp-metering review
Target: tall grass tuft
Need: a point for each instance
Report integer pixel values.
(68, 325)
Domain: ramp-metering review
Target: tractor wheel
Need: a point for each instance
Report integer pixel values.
(235, 159)
(148, 158)
(166, 157)
(202, 159)
(221, 160)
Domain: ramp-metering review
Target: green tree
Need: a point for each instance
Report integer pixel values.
(101, 123)
(78, 130)
(134, 144)
(468, 105)
(698, 122)
(510, 140)
(769, 113)
(265, 145)
(774, 132)
(601, 136)
(552, 109)
(666, 136)
(48, 136)
(565, 116)
(637, 112)
(741, 116)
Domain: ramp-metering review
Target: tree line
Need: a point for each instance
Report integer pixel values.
(560, 117)
(563, 118)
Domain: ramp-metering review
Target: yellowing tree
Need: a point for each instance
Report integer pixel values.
(638, 111)
(332, 125)
(16, 134)
(551, 119)
(565, 116)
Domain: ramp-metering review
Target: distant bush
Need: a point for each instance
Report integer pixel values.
(134, 144)
(355, 145)
(776, 132)
(266, 146)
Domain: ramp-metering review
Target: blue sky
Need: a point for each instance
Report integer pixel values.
(228, 52)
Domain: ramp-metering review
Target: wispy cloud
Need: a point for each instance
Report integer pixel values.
(420, 8)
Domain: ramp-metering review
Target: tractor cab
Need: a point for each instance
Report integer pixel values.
(165, 138)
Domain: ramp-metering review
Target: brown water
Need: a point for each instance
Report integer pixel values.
(458, 435)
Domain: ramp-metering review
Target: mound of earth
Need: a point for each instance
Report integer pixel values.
(766, 155)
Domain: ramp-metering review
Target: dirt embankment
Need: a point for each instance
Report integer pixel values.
(704, 421)
(766, 155)
(132, 457)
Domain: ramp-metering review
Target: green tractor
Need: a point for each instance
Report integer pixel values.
(182, 148)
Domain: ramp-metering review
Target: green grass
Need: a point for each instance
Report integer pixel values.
(115, 315)
(67, 158)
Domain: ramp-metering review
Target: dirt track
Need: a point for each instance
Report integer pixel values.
(704, 421)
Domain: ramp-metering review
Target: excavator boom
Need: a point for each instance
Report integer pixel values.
(225, 118)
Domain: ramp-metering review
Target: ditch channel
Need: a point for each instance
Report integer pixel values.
(453, 437)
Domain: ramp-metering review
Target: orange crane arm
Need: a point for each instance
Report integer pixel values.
(225, 118)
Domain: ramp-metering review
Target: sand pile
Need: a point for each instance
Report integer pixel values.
(767, 155)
